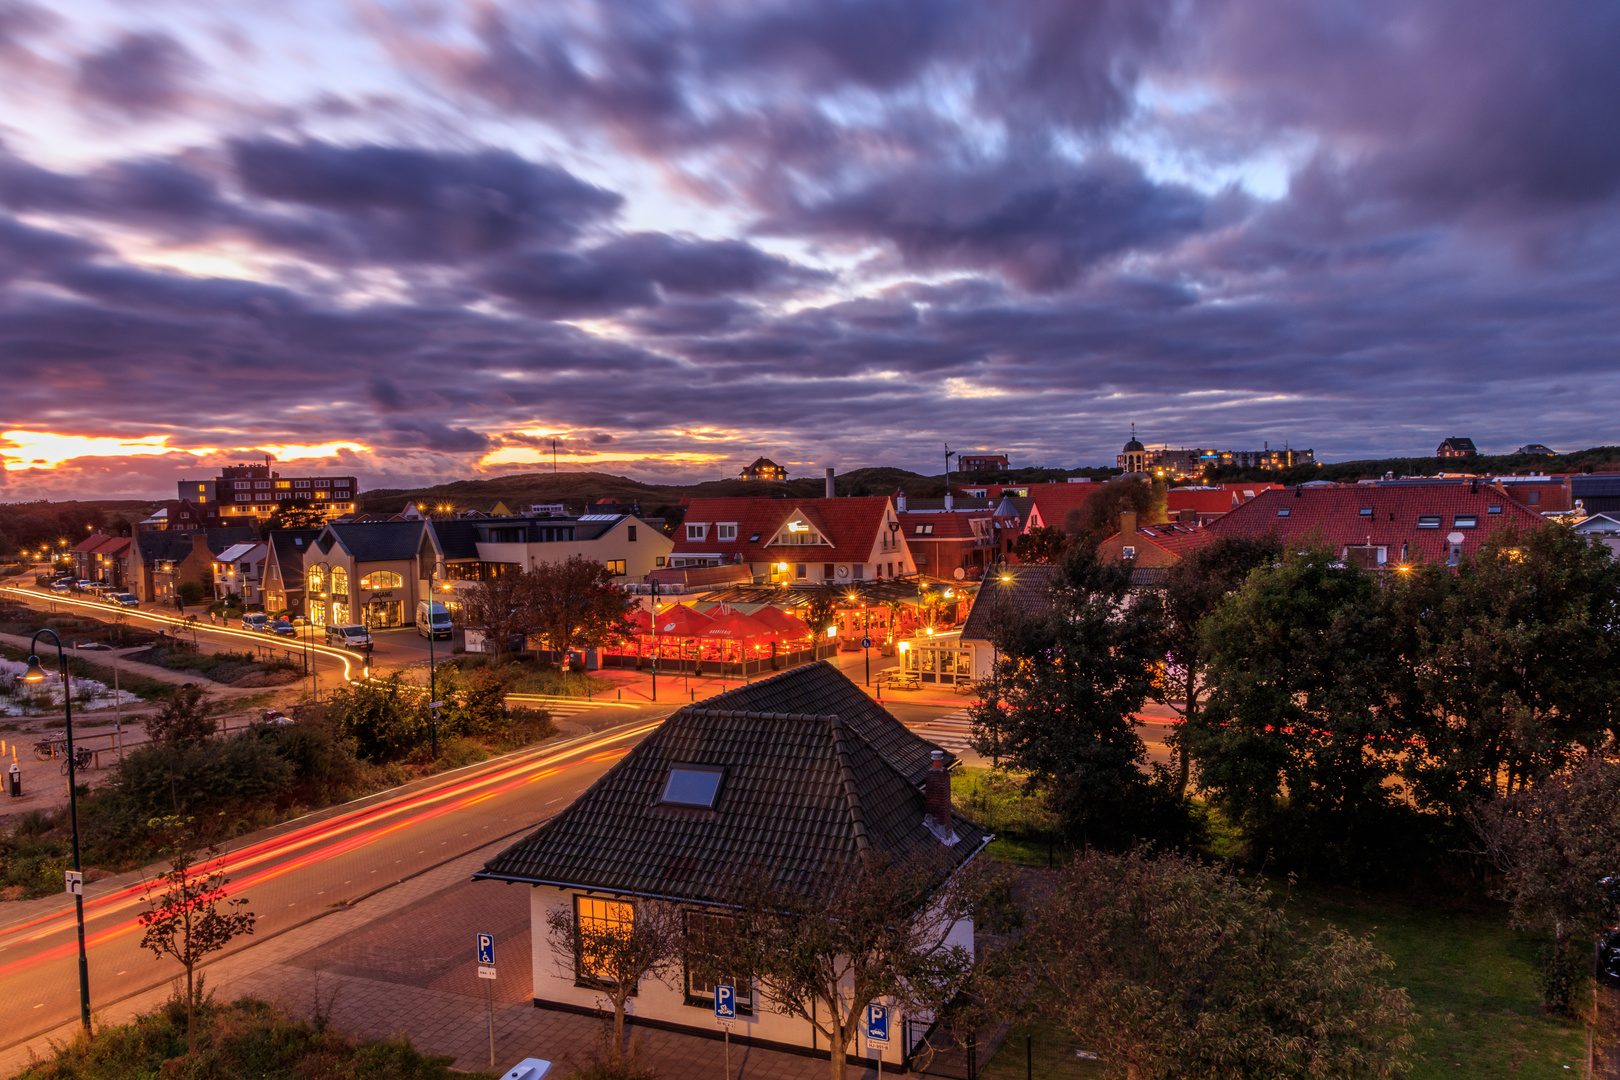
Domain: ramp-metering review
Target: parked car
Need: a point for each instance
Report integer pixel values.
(126, 599)
(255, 620)
(432, 619)
(283, 628)
(61, 586)
(83, 584)
(353, 637)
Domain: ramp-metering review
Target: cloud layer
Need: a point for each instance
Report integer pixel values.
(672, 236)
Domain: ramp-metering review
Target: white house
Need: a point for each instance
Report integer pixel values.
(795, 774)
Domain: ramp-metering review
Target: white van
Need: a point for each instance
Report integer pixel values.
(432, 619)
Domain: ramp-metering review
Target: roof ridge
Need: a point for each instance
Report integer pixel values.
(863, 843)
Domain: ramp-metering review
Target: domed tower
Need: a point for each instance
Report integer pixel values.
(1134, 458)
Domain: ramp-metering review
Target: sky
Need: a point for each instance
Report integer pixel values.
(420, 241)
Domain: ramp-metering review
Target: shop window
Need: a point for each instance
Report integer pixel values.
(340, 613)
(340, 581)
(316, 581)
(381, 579)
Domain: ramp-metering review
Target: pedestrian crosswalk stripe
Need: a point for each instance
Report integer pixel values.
(952, 731)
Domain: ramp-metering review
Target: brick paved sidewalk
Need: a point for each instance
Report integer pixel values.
(400, 962)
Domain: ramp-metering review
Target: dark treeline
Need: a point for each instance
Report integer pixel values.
(1596, 459)
(34, 525)
(1342, 721)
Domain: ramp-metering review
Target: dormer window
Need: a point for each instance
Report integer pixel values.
(697, 531)
(922, 530)
(728, 530)
(692, 785)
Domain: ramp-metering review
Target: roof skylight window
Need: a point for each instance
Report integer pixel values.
(1493, 509)
(1428, 521)
(1465, 521)
(1284, 513)
(1366, 511)
(692, 785)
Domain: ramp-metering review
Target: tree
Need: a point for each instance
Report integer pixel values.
(384, 718)
(1516, 658)
(1192, 590)
(576, 602)
(1045, 544)
(295, 513)
(821, 608)
(640, 940)
(1554, 844)
(502, 607)
(192, 593)
(869, 931)
(1173, 969)
(1301, 730)
(1099, 515)
(188, 915)
(1063, 696)
(184, 719)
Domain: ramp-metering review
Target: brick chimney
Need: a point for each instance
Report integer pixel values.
(1127, 523)
(937, 800)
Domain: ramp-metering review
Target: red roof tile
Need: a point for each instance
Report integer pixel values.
(850, 526)
(1391, 520)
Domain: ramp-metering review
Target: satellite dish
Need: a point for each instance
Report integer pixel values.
(1454, 538)
(960, 573)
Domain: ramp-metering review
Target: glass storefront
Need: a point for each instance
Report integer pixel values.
(382, 614)
(938, 661)
(317, 613)
(340, 613)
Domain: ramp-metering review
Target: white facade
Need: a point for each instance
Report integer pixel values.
(555, 983)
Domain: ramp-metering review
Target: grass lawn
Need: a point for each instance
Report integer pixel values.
(1472, 980)
(1470, 976)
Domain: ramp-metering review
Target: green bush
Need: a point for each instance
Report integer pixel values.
(246, 1038)
(384, 720)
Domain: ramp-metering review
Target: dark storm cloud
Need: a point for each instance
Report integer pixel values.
(412, 204)
(1445, 250)
(1039, 223)
(140, 75)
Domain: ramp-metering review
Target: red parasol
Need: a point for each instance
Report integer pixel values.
(782, 622)
(735, 626)
(681, 622)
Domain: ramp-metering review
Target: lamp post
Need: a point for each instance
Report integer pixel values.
(35, 674)
(433, 697)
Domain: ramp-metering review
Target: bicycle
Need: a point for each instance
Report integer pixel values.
(82, 756)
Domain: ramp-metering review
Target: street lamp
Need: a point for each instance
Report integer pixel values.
(433, 697)
(36, 674)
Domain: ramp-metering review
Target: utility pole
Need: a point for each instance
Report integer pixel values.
(949, 453)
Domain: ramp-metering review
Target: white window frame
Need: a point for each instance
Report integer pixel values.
(697, 530)
(727, 530)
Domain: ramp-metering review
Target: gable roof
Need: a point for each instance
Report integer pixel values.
(850, 525)
(287, 547)
(1336, 513)
(1173, 537)
(375, 541)
(237, 551)
(1027, 588)
(170, 546)
(803, 793)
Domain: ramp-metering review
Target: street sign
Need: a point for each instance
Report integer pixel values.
(75, 883)
(866, 643)
(877, 1023)
(725, 1004)
(486, 948)
(486, 972)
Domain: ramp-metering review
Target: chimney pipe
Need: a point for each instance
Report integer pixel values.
(900, 502)
(950, 503)
(830, 483)
(937, 798)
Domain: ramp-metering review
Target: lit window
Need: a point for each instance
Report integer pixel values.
(600, 923)
(382, 579)
(280, 484)
(340, 580)
(616, 567)
(320, 494)
(692, 785)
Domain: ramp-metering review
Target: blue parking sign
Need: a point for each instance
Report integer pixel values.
(877, 1023)
(486, 948)
(725, 1002)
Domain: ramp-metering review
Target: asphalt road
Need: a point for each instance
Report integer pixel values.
(295, 872)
